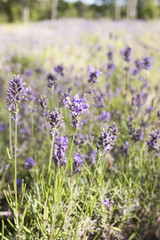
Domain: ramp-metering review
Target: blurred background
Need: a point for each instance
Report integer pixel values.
(35, 10)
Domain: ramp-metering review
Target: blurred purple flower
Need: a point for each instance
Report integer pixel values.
(124, 149)
(137, 100)
(15, 92)
(110, 66)
(78, 160)
(154, 142)
(28, 72)
(59, 70)
(78, 106)
(44, 103)
(126, 54)
(147, 62)
(104, 116)
(28, 94)
(106, 140)
(30, 162)
(2, 127)
(149, 109)
(138, 135)
(52, 80)
(19, 181)
(56, 120)
(93, 74)
(110, 55)
(92, 156)
(79, 139)
(59, 154)
(107, 202)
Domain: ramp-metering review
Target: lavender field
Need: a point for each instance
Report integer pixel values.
(79, 130)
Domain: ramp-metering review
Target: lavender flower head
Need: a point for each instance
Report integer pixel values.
(15, 92)
(28, 94)
(147, 63)
(78, 160)
(79, 139)
(137, 100)
(99, 99)
(55, 119)
(59, 70)
(64, 97)
(110, 66)
(110, 55)
(78, 106)
(2, 127)
(93, 74)
(52, 80)
(106, 140)
(104, 116)
(43, 102)
(154, 142)
(108, 203)
(92, 156)
(30, 162)
(138, 67)
(124, 149)
(19, 181)
(126, 54)
(60, 148)
(149, 109)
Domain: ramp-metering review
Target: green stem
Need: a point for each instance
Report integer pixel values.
(10, 132)
(70, 151)
(91, 183)
(90, 108)
(32, 122)
(50, 158)
(52, 96)
(15, 166)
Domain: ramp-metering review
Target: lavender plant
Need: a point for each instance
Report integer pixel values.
(80, 166)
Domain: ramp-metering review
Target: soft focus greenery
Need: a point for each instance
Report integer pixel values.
(11, 10)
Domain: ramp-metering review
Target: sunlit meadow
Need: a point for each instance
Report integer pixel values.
(79, 130)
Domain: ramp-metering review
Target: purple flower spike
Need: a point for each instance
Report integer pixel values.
(104, 116)
(15, 92)
(154, 142)
(124, 149)
(19, 181)
(126, 54)
(110, 55)
(44, 103)
(59, 70)
(92, 156)
(2, 127)
(137, 100)
(93, 74)
(52, 80)
(30, 162)
(78, 106)
(138, 135)
(56, 119)
(78, 160)
(149, 109)
(147, 63)
(108, 203)
(110, 67)
(60, 148)
(106, 140)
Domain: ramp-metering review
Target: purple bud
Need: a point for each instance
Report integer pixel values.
(30, 162)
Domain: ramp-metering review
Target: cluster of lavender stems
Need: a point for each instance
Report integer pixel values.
(14, 96)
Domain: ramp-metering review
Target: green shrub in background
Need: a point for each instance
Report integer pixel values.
(147, 9)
